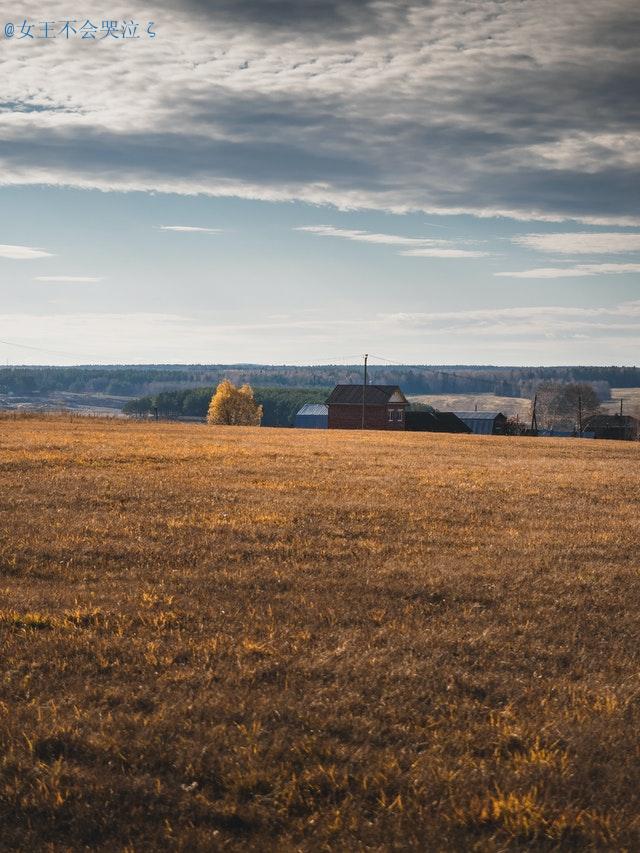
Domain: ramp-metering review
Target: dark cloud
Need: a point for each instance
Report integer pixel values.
(157, 157)
(524, 108)
(323, 18)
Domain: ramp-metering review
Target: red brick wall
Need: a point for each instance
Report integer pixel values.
(375, 417)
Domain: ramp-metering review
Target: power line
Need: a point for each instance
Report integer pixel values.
(468, 377)
(38, 349)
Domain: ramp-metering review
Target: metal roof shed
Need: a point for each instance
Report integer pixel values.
(312, 416)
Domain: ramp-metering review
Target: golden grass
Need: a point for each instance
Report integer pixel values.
(251, 639)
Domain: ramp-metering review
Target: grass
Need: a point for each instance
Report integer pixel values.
(245, 639)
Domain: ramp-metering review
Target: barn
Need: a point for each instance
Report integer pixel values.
(435, 422)
(380, 406)
(312, 416)
(484, 423)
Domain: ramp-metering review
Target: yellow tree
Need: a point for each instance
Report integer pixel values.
(234, 406)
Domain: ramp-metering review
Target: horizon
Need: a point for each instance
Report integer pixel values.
(318, 365)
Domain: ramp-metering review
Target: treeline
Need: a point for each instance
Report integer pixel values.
(279, 405)
(145, 380)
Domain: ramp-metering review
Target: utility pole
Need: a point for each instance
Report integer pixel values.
(534, 418)
(364, 386)
(580, 415)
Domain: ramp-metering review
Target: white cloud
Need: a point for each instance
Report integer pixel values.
(544, 313)
(444, 253)
(22, 253)
(366, 236)
(526, 324)
(70, 279)
(419, 247)
(190, 228)
(581, 243)
(573, 272)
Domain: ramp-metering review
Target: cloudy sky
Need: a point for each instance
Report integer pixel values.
(305, 180)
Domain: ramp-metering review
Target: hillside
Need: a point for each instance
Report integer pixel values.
(630, 398)
(256, 639)
(509, 406)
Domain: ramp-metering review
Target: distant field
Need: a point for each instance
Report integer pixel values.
(80, 403)
(630, 401)
(509, 406)
(254, 639)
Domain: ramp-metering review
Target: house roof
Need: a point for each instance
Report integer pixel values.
(478, 416)
(435, 422)
(451, 422)
(313, 409)
(375, 395)
(481, 423)
(600, 421)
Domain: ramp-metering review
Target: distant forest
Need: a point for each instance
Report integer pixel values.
(279, 405)
(143, 380)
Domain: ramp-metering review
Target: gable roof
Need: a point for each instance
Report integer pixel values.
(313, 409)
(478, 416)
(375, 395)
(435, 422)
(450, 422)
(482, 423)
(600, 421)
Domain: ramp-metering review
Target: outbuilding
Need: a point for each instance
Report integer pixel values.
(435, 422)
(484, 423)
(312, 416)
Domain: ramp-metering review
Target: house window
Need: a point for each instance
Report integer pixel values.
(399, 415)
(390, 415)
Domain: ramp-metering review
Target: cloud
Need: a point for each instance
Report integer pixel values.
(543, 313)
(580, 243)
(527, 324)
(70, 279)
(511, 334)
(416, 247)
(573, 272)
(444, 253)
(485, 108)
(337, 19)
(365, 236)
(190, 228)
(22, 253)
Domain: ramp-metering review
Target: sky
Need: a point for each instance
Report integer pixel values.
(442, 182)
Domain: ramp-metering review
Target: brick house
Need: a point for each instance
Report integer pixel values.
(384, 407)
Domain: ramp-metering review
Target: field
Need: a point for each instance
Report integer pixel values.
(630, 398)
(509, 406)
(252, 639)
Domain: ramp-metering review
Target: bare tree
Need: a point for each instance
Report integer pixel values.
(565, 406)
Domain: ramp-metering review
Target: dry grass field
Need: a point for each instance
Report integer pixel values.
(250, 639)
(630, 399)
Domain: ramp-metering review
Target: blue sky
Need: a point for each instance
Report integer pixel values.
(286, 182)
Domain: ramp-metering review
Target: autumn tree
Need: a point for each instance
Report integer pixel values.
(234, 406)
